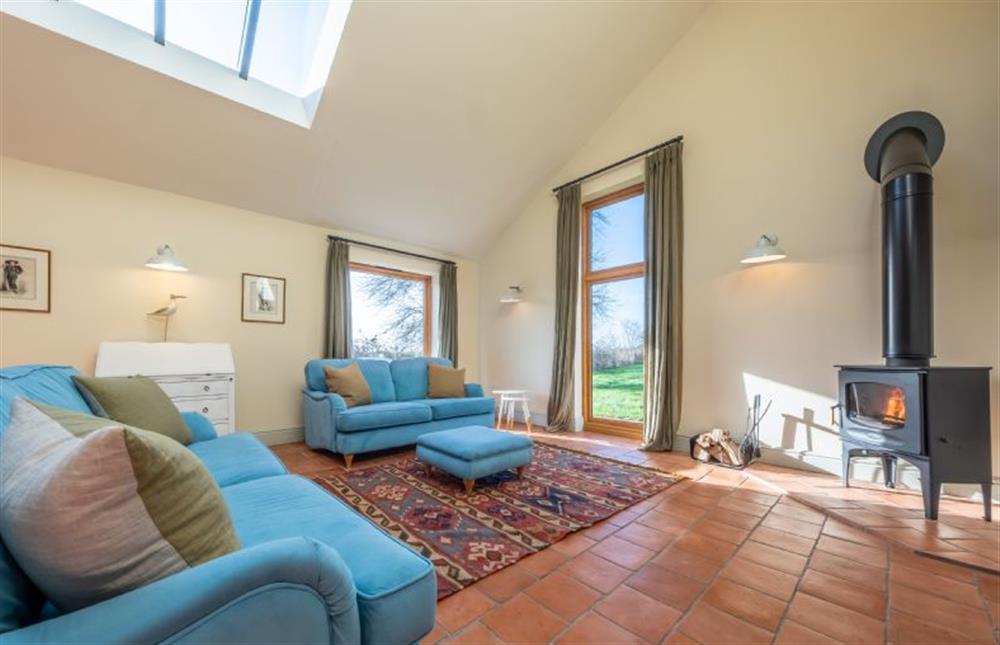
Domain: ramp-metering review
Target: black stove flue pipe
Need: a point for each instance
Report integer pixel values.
(899, 156)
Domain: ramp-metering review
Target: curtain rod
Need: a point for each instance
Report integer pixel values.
(390, 250)
(617, 163)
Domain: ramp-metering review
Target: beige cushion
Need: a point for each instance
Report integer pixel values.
(136, 401)
(92, 508)
(445, 382)
(349, 383)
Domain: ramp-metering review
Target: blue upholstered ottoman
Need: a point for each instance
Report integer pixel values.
(472, 452)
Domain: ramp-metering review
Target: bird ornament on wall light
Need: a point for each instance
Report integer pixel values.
(167, 312)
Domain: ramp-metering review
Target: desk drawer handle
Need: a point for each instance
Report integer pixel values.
(204, 410)
(206, 388)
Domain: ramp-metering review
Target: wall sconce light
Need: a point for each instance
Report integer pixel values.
(166, 260)
(513, 295)
(766, 250)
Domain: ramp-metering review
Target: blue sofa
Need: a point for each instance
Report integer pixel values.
(399, 412)
(310, 570)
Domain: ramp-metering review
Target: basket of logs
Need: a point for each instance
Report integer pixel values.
(718, 447)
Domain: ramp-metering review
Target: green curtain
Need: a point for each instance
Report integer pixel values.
(664, 228)
(338, 300)
(561, 402)
(448, 313)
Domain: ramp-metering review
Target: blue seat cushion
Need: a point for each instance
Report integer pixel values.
(409, 375)
(473, 442)
(382, 415)
(451, 408)
(51, 384)
(375, 370)
(397, 588)
(238, 457)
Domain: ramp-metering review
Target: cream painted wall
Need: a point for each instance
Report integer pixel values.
(776, 102)
(100, 232)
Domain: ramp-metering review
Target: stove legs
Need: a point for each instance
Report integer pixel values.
(889, 470)
(930, 487)
(929, 484)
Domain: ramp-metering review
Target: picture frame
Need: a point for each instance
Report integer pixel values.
(263, 299)
(25, 279)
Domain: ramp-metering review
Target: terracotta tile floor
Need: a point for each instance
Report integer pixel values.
(734, 557)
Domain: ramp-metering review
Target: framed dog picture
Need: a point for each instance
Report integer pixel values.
(263, 299)
(26, 279)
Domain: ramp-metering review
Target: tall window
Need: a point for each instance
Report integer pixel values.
(390, 312)
(613, 312)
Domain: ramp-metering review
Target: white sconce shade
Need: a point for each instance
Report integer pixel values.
(766, 250)
(166, 260)
(513, 295)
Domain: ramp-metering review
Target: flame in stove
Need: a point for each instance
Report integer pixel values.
(895, 407)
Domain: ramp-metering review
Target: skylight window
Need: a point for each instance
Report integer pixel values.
(272, 55)
(210, 29)
(137, 13)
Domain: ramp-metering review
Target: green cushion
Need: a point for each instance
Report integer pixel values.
(92, 508)
(136, 401)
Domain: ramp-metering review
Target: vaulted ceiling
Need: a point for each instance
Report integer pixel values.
(437, 123)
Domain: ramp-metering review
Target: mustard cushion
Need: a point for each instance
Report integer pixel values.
(445, 382)
(348, 382)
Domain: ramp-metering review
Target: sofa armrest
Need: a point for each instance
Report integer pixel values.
(199, 425)
(319, 415)
(337, 402)
(473, 389)
(293, 590)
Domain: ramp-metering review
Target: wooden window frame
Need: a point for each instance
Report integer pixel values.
(416, 277)
(630, 429)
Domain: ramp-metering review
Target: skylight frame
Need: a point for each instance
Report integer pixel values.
(101, 31)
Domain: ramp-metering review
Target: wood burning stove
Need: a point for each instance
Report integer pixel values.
(936, 418)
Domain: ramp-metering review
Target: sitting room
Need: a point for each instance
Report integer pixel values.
(340, 321)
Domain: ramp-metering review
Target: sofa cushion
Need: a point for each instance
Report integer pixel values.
(382, 415)
(349, 383)
(91, 508)
(396, 587)
(409, 375)
(237, 457)
(450, 408)
(135, 400)
(445, 382)
(50, 384)
(376, 371)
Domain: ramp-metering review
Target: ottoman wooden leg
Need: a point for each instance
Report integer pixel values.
(428, 470)
(520, 470)
(468, 483)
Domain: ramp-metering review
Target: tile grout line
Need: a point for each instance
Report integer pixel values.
(676, 629)
(799, 579)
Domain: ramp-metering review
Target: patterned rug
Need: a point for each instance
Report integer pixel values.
(506, 518)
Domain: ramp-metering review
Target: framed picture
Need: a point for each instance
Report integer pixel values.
(26, 280)
(263, 299)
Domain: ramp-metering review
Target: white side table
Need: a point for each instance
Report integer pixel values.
(509, 399)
